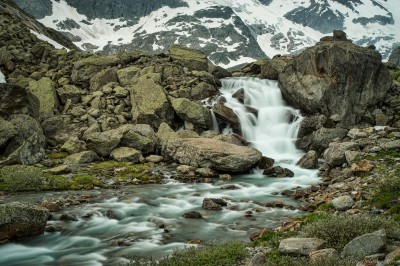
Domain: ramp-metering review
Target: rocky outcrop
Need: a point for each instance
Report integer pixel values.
(19, 221)
(336, 78)
(213, 154)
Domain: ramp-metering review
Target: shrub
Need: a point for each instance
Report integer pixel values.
(276, 259)
(57, 182)
(228, 253)
(338, 230)
(22, 178)
(85, 181)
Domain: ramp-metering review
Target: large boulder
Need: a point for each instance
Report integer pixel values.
(70, 92)
(368, 244)
(335, 154)
(103, 143)
(128, 75)
(320, 139)
(336, 77)
(45, 92)
(300, 246)
(192, 112)
(27, 146)
(273, 67)
(394, 57)
(140, 136)
(102, 78)
(81, 158)
(149, 103)
(192, 59)
(7, 131)
(18, 221)
(211, 153)
(17, 100)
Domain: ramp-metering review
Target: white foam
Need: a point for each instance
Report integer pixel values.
(2, 78)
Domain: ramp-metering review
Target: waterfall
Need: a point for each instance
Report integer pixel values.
(273, 129)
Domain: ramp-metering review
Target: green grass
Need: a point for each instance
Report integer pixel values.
(276, 259)
(221, 254)
(58, 156)
(21, 178)
(84, 181)
(124, 171)
(273, 238)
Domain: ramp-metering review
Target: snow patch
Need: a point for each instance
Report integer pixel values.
(47, 39)
(2, 78)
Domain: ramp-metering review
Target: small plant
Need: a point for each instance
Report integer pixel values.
(85, 181)
(338, 230)
(22, 178)
(57, 182)
(273, 238)
(221, 254)
(274, 258)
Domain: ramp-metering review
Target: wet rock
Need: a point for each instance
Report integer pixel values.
(275, 204)
(266, 163)
(343, 203)
(225, 177)
(51, 206)
(214, 154)
(365, 245)
(226, 114)
(230, 187)
(206, 172)
(185, 169)
(81, 158)
(192, 215)
(309, 160)
(52, 228)
(213, 204)
(239, 95)
(68, 218)
(125, 154)
(202, 91)
(19, 221)
(278, 171)
(219, 72)
(300, 246)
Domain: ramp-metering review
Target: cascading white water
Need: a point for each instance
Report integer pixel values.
(273, 130)
(138, 211)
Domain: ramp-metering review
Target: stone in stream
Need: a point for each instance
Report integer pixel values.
(278, 171)
(192, 215)
(309, 160)
(213, 204)
(18, 221)
(266, 163)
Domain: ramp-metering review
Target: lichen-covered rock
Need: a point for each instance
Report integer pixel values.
(213, 154)
(343, 203)
(300, 246)
(128, 75)
(192, 59)
(81, 158)
(70, 92)
(27, 146)
(335, 154)
(7, 131)
(202, 90)
(17, 100)
(149, 103)
(102, 78)
(336, 77)
(126, 154)
(140, 136)
(103, 143)
(44, 90)
(18, 221)
(365, 245)
(73, 145)
(192, 112)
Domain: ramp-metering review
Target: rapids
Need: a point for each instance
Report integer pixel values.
(142, 221)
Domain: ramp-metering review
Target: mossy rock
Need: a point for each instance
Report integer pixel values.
(192, 59)
(192, 112)
(21, 178)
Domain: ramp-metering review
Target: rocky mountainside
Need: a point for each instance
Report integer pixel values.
(229, 32)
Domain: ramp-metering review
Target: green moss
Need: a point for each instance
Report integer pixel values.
(57, 182)
(123, 170)
(273, 238)
(85, 181)
(57, 156)
(21, 178)
(229, 253)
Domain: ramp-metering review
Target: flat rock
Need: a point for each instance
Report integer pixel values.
(300, 246)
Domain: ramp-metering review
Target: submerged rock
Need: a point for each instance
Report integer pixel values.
(278, 171)
(213, 204)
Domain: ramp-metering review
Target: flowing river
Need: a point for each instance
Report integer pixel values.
(142, 221)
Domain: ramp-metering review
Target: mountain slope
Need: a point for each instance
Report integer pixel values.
(229, 31)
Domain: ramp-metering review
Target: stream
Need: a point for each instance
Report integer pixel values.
(143, 221)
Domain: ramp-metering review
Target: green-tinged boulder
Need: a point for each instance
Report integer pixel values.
(219, 72)
(149, 103)
(44, 90)
(192, 112)
(7, 131)
(365, 245)
(19, 221)
(58, 129)
(27, 146)
(192, 59)
(102, 78)
(5, 56)
(70, 92)
(140, 137)
(103, 143)
(126, 154)
(17, 100)
(202, 90)
(22, 178)
(73, 145)
(165, 133)
(128, 75)
(86, 68)
(211, 153)
(81, 158)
